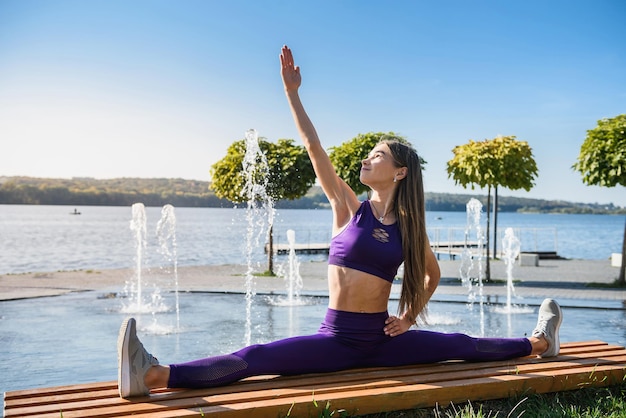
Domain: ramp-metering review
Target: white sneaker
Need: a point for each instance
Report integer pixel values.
(133, 361)
(548, 323)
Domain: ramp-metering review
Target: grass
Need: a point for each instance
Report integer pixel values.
(615, 284)
(609, 402)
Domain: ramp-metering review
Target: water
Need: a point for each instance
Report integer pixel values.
(292, 274)
(47, 238)
(471, 268)
(134, 286)
(135, 292)
(39, 347)
(71, 339)
(260, 208)
(168, 248)
(511, 251)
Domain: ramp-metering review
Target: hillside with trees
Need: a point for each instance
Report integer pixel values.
(195, 193)
(109, 192)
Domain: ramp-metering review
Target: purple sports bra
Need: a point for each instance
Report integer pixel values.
(368, 246)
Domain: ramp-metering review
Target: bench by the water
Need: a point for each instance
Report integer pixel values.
(361, 391)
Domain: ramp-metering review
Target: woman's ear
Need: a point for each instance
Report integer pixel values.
(400, 173)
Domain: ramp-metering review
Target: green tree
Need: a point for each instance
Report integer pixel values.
(502, 161)
(347, 157)
(289, 175)
(602, 162)
(517, 170)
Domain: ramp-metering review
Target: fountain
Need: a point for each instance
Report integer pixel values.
(166, 235)
(511, 249)
(134, 288)
(292, 277)
(260, 208)
(294, 280)
(471, 270)
(138, 301)
(511, 246)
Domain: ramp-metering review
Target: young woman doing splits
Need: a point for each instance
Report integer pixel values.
(370, 240)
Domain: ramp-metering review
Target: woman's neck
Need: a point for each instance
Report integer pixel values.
(382, 205)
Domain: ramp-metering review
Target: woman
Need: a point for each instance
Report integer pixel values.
(370, 241)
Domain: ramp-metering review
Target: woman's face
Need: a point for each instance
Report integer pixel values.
(379, 168)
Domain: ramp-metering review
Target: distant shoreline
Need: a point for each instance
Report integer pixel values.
(616, 211)
(194, 193)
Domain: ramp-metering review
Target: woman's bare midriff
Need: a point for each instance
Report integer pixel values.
(355, 291)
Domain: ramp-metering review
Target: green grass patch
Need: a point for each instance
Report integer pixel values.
(609, 402)
(266, 273)
(615, 284)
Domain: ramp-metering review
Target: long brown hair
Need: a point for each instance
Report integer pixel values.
(410, 214)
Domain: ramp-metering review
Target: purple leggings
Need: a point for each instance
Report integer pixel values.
(345, 340)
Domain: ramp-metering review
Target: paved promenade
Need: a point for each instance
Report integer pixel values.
(552, 278)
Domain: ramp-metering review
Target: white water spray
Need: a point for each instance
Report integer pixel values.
(294, 280)
(471, 269)
(511, 245)
(292, 277)
(136, 288)
(511, 249)
(166, 235)
(259, 213)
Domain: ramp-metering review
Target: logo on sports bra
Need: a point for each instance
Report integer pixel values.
(380, 235)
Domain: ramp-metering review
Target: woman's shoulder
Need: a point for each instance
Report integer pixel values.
(344, 212)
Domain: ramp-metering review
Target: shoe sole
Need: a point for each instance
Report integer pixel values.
(123, 369)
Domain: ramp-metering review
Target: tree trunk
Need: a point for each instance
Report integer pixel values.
(622, 280)
(487, 266)
(495, 222)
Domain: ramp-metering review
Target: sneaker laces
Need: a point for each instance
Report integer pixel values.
(153, 361)
(540, 329)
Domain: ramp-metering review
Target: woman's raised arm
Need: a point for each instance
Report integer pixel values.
(342, 199)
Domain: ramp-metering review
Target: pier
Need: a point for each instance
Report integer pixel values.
(452, 241)
(450, 248)
(309, 248)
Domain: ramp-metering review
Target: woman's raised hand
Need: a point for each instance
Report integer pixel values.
(288, 70)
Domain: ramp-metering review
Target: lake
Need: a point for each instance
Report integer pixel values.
(49, 238)
(71, 339)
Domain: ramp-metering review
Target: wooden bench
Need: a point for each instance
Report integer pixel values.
(361, 391)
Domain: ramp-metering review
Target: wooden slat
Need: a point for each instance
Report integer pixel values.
(360, 391)
(337, 389)
(463, 365)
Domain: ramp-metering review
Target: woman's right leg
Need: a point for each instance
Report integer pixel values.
(343, 341)
(306, 354)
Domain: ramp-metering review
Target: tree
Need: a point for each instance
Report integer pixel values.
(517, 170)
(502, 161)
(347, 157)
(602, 162)
(289, 171)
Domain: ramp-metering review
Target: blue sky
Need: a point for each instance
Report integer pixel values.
(157, 88)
